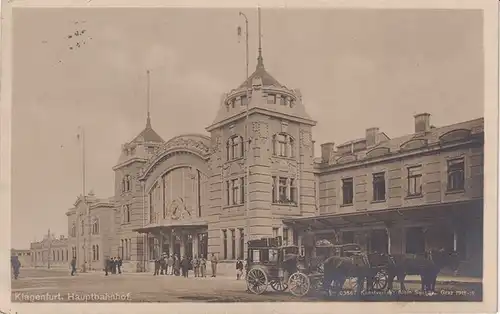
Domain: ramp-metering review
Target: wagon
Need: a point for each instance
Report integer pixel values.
(303, 280)
(265, 264)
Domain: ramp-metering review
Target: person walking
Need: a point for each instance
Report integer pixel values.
(170, 265)
(107, 265)
(239, 269)
(16, 265)
(185, 266)
(196, 266)
(157, 267)
(73, 266)
(177, 265)
(213, 262)
(203, 266)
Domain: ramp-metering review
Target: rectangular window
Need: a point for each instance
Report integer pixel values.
(295, 237)
(271, 99)
(456, 175)
(293, 191)
(233, 244)
(274, 190)
(282, 145)
(242, 244)
(243, 189)
(234, 146)
(379, 186)
(224, 235)
(285, 236)
(347, 191)
(275, 232)
(235, 188)
(415, 181)
(282, 190)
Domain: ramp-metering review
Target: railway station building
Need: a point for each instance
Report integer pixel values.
(255, 174)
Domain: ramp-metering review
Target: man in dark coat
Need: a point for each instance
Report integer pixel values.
(239, 269)
(157, 267)
(107, 265)
(185, 266)
(16, 264)
(119, 264)
(73, 266)
(309, 243)
(177, 265)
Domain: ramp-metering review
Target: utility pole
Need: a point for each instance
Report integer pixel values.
(86, 254)
(50, 247)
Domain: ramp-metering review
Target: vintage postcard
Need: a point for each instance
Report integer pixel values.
(296, 157)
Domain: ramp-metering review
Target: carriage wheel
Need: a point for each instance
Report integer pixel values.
(380, 280)
(279, 285)
(299, 284)
(257, 280)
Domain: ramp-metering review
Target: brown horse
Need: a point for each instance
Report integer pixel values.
(427, 266)
(337, 269)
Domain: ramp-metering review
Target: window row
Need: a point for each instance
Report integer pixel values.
(283, 145)
(125, 249)
(282, 100)
(235, 191)
(455, 182)
(94, 226)
(237, 236)
(95, 252)
(284, 190)
(238, 101)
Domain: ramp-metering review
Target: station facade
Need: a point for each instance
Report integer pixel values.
(254, 174)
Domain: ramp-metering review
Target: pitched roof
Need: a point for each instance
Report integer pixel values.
(267, 79)
(148, 134)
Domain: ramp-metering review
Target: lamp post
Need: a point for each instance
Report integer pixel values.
(247, 141)
(81, 137)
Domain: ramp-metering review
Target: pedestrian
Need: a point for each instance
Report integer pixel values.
(203, 266)
(16, 265)
(177, 265)
(119, 264)
(239, 269)
(196, 266)
(170, 265)
(309, 244)
(185, 266)
(157, 267)
(73, 266)
(107, 265)
(213, 262)
(163, 264)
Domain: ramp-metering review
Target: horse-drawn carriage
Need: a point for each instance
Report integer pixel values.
(283, 267)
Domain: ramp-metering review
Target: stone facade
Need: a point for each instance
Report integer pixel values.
(51, 252)
(255, 175)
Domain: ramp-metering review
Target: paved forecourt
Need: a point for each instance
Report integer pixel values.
(59, 286)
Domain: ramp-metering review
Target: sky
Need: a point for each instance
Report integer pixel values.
(355, 68)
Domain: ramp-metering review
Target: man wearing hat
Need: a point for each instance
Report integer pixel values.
(163, 264)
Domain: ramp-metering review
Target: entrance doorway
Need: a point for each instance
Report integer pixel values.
(378, 241)
(415, 240)
(188, 248)
(203, 244)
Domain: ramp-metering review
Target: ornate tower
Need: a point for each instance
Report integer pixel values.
(278, 152)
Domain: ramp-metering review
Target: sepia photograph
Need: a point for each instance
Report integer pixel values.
(188, 154)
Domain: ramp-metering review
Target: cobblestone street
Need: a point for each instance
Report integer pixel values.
(59, 286)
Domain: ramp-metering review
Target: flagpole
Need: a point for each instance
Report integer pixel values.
(247, 142)
(50, 247)
(86, 251)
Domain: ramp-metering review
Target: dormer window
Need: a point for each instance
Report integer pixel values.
(235, 148)
(292, 103)
(271, 99)
(244, 100)
(237, 102)
(282, 101)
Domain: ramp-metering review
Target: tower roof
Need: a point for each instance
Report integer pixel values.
(261, 72)
(148, 135)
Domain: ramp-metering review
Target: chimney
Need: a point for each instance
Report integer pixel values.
(327, 151)
(422, 122)
(371, 136)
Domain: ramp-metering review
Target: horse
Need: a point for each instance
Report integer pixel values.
(338, 268)
(427, 266)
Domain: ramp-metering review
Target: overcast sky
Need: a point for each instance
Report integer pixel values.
(356, 69)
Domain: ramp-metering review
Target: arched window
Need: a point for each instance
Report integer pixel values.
(95, 226)
(125, 213)
(73, 229)
(283, 145)
(235, 147)
(82, 226)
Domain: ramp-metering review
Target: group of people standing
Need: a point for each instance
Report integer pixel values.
(172, 265)
(113, 265)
